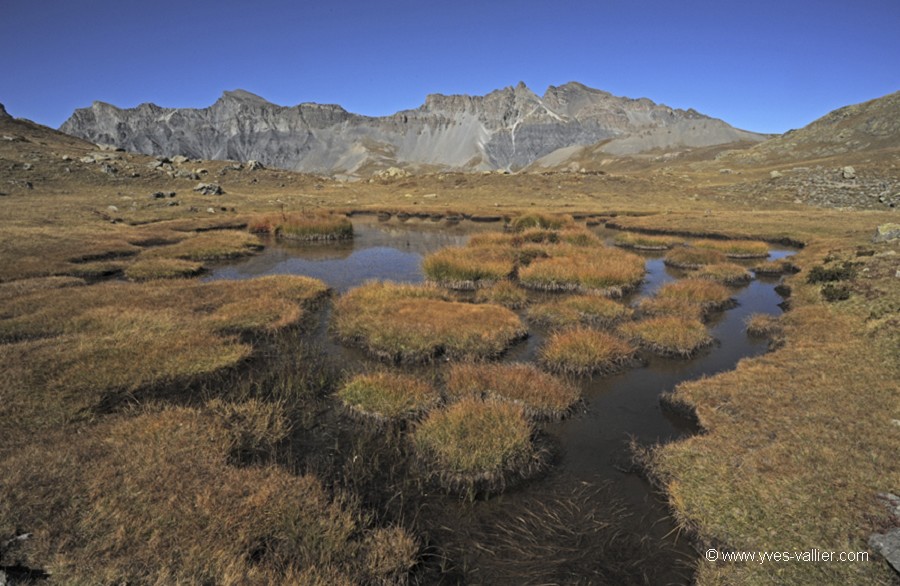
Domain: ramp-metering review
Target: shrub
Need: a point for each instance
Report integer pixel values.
(824, 274)
(542, 395)
(586, 351)
(669, 335)
(388, 396)
(835, 291)
(589, 310)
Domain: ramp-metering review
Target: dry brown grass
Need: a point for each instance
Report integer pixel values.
(217, 245)
(542, 395)
(588, 310)
(763, 325)
(405, 323)
(725, 273)
(302, 226)
(468, 268)
(645, 241)
(775, 267)
(146, 269)
(708, 295)
(669, 335)
(685, 257)
(476, 446)
(582, 351)
(386, 396)
(736, 248)
(152, 499)
(541, 221)
(606, 271)
(505, 293)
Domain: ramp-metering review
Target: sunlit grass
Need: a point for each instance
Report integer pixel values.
(763, 325)
(584, 351)
(736, 248)
(725, 273)
(606, 270)
(669, 335)
(468, 268)
(590, 310)
(145, 269)
(477, 446)
(542, 395)
(644, 241)
(214, 245)
(708, 295)
(412, 324)
(303, 226)
(505, 293)
(686, 257)
(388, 396)
(538, 220)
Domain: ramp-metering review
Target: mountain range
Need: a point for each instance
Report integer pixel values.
(507, 129)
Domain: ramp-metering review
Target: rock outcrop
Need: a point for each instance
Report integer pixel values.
(505, 129)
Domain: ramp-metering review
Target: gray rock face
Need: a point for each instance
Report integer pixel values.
(505, 129)
(4, 114)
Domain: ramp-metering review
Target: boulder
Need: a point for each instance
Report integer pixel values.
(180, 159)
(255, 165)
(775, 174)
(393, 173)
(848, 173)
(886, 232)
(209, 189)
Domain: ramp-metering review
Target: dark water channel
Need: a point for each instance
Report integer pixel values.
(592, 519)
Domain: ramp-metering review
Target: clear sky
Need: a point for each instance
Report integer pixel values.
(762, 65)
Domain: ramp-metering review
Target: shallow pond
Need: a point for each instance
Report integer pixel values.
(591, 518)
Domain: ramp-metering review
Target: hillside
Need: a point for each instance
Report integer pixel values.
(506, 129)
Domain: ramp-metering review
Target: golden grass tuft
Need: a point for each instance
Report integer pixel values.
(640, 241)
(763, 325)
(736, 248)
(669, 335)
(404, 323)
(385, 396)
(542, 395)
(162, 504)
(659, 306)
(302, 226)
(468, 268)
(538, 220)
(146, 269)
(607, 271)
(777, 267)
(726, 273)
(579, 236)
(476, 446)
(587, 310)
(686, 257)
(708, 295)
(204, 246)
(505, 293)
(582, 351)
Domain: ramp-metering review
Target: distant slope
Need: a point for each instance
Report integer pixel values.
(505, 129)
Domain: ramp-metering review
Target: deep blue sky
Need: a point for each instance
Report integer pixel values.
(762, 65)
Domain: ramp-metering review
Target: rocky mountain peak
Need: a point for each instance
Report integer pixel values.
(3, 114)
(243, 96)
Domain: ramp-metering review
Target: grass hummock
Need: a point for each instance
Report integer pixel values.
(542, 395)
(505, 293)
(542, 221)
(736, 248)
(726, 273)
(607, 271)
(686, 257)
(640, 241)
(385, 396)
(476, 446)
(468, 268)
(775, 268)
(588, 310)
(763, 325)
(582, 351)
(669, 335)
(706, 294)
(146, 269)
(407, 323)
(205, 246)
(303, 226)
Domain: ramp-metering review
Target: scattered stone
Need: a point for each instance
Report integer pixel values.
(185, 174)
(236, 167)
(430, 195)
(775, 174)
(28, 166)
(201, 171)
(886, 232)
(162, 194)
(180, 159)
(209, 189)
(254, 165)
(174, 202)
(164, 160)
(211, 210)
(888, 545)
(393, 173)
(109, 169)
(848, 173)
(66, 158)
(87, 160)
(110, 148)
(112, 208)
(153, 164)
(725, 171)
